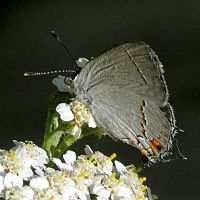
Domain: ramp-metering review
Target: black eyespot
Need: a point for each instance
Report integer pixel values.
(159, 147)
(144, 159)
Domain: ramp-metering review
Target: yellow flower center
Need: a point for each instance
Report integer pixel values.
(62, 175)
(143, 179)
(113, 156)
(82, 174)
(91, 158)
(144, 187)
(12, 155)
(52, 198)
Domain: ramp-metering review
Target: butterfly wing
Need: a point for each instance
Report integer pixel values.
(131, 66)
(127, 94)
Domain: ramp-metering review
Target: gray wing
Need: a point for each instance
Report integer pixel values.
(126, 92)
(131, 66)
(132, 120)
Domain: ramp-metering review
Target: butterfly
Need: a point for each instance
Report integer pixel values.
(126, 92)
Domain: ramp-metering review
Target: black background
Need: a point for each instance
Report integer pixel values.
(88, 28)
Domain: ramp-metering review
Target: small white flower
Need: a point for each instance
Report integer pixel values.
(25, 193)
(81, 62)
(77, 111)
(39, 183)
(82, 114)
(12, 180)
(16, 163)
(65, 112)
(77, 177)
(38, 156)
(69, 158)
(69, 192)
(27, 155)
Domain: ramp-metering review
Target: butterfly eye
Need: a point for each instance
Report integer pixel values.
(74, 74)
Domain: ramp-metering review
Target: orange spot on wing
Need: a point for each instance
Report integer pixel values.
(144, 152)
(144, 156)
(155, 144)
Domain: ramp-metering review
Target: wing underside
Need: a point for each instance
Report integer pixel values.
(128, 96)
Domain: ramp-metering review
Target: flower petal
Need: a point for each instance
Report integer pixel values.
(39, 183)
(120, 167)
(88, 150)
(91, 122)
(69, 157)
(58, 163)
(100, 191)
(81, 62)
(60, 84)
(1, 169)
(81, 195)
(12, 180)
(1, 184)
(76, 131)
(27, 192)
(65, 112)
(26, 173)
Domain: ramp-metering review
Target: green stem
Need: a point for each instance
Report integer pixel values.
(52, 117)
(57, 138)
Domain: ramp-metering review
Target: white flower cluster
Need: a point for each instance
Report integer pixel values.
(78, 112)
(24, 176)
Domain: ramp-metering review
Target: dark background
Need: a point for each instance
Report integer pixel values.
(88, 28)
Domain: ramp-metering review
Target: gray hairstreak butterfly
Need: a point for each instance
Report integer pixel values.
(126, 93)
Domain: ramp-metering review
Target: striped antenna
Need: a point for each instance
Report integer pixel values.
(73, 72)
(47, 73)
(65, 47)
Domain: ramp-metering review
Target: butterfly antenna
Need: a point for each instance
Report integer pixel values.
(48, 72)
(181, 156)
(64, 46)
